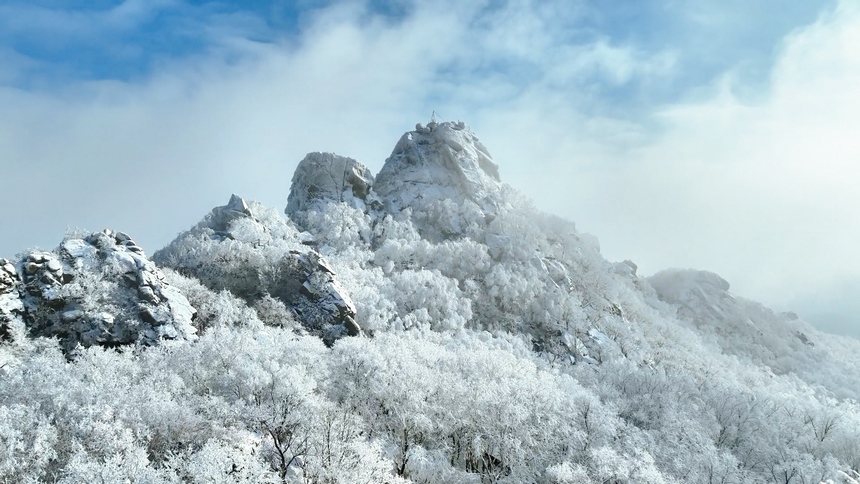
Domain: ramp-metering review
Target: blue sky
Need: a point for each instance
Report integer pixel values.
(130, 41)
(710, 134)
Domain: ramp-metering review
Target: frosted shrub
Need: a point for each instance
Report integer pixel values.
(274, 312)
(338, 225)
(129, 465)
(445, 219)
(397, 226)
(214, 308)
(428, 299)
(411, 388)
(222, 462)
(566, 473)
(27, 443)
(370, 290)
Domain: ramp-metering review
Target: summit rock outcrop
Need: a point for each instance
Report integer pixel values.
(327, 177)
(440, 175)
(436, 162)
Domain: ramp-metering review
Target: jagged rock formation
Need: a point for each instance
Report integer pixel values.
(253, 252)
(99, 289)
(701, 295)
(324, 177)
(740, 326)
(626, 268)
(325, 302)
(437, 162)
(11, 308)
(439, 173)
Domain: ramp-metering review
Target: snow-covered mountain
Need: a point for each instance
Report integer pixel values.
(424, 324)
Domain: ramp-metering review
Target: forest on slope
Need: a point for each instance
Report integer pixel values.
(426, 324)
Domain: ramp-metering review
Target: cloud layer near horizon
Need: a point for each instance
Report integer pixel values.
(747, 172)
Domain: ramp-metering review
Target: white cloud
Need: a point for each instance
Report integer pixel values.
(765, 194)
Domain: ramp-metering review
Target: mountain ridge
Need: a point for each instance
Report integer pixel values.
(377, 308)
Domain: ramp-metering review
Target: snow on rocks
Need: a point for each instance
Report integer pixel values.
(101, 289)
(554, 269)
(254, 252)
(437, 162)
(803, 338)
(703, 298)
(236, 208)
(441, 172)
(327, 177)
(11, 307)
(701, 295)
(8, 276)
(326, 304)
(679, 286)
(626, 268)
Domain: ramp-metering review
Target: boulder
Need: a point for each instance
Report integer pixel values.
(327, 177)
(221, 217)
(323, 304)
(701, 297)
(626, 268)
(238, 204)
(101, 289)
(681, 285)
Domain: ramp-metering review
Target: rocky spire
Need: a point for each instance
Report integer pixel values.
(439, 161)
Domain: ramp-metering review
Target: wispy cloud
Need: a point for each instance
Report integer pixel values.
(762, 192)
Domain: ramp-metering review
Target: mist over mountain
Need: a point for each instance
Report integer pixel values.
(423, 324)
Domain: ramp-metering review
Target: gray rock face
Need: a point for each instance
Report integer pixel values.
(227, 250)
(100, 289)
(11, 308)
(221, 217)
(702, 297)
(323, 304)
(675, 285)
(325, 177)
(626, 268)
(436, 162)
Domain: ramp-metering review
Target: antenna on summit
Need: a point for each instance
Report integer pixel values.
(433, 117)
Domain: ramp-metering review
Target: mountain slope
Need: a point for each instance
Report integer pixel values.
(426, 324)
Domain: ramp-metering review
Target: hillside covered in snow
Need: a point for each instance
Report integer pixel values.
(425, 324)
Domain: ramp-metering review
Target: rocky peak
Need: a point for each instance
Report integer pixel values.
(677, 285)
(238, 204)
(253, 252)
(98, 289)
(702, 297)
(220, 218)
(327, 177)
(435, 162)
